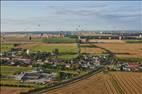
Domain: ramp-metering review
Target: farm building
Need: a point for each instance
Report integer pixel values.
(35, 77)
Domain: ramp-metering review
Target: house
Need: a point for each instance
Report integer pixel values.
(97, 64)
(140, 67)
(31, 76)
(67, 65)
(133, 67)
(20, 61)
(28, 75)
(1, 54)
(5, 58)
(55, 36)
(92, 67)
(26, 61)
(126, 69)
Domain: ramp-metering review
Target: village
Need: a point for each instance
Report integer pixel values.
(47, 67)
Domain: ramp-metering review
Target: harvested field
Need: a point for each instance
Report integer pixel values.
(59, 40)
(106, 41)
(92, 50)
(13, 90)
(108, 83)
(20, 39)
(120, 49)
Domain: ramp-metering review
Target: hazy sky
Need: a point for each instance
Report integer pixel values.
(61, 15)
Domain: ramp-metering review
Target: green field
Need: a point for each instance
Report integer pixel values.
(130, 59)
(49, 48)
(11, 82)
(45, 47)
(11, 70)
(6, 47)
(133, 41)
(68, 56)
(66, 51)
(59, 40)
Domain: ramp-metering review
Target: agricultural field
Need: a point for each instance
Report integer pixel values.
(13, 90)
(43, 47)
(59, 40)
(6, 47)
(11, 70)
(133, 41)
(119, 49)
(106, 41)
(20, 39)
(105, 83)
(67, 56)
(92, 50)
(66, 51)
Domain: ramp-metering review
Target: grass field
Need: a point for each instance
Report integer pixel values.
(5, 47)
(16, 83)
(67, 56)
(10, 70)
(66, 51)
(108, 83)
(133, 41)
(43, 47)
(13, 90)
(59, 40)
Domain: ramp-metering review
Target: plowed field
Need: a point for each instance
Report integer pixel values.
(110, 83)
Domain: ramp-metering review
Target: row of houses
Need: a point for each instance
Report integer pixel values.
(127, 67)
(132, 67)
(15, 61)
(47, 36)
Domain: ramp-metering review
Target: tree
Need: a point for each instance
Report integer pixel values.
(30, 38)
(56, 52)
